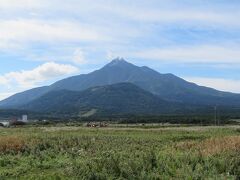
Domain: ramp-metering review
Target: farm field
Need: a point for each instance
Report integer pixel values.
(120, 153)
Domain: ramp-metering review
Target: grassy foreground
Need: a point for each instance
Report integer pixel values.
(120, 153)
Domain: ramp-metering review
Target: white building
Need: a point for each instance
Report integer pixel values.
(25, 118)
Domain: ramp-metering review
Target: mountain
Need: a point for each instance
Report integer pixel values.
(117, 99)
(166, 86)
(22, 98)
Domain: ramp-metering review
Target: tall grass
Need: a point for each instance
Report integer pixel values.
(81, 153)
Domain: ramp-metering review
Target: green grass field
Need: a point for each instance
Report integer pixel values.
(120, 153)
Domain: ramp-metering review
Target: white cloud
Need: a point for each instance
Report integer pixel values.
(30, 30)
(16, 4)
(40, 74)
(229, 85)
(156, 11)
(111, 55)
(3, 80)
(73, 55)
(192, 54)
(63, 23)
(205, 17)
(78, 56)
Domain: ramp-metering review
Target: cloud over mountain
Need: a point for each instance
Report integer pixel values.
(30, 78)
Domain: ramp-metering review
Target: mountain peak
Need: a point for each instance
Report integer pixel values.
(118, 61)
(166, 86)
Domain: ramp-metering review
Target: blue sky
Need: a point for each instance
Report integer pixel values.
(42, 41)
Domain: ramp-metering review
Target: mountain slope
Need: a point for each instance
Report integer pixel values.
(21, 98)
(122, 98)
(167, 86)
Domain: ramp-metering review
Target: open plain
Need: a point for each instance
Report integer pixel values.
(120, 152)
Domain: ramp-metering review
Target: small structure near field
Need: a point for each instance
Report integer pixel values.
(103, 124)
(94, 124)
(19, 121)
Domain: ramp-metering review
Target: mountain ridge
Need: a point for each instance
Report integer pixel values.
(166, 86)
(121, 98)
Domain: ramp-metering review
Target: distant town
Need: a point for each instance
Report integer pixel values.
(14, 121)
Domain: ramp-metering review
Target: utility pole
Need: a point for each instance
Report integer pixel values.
(219, 117)
(215, 115)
